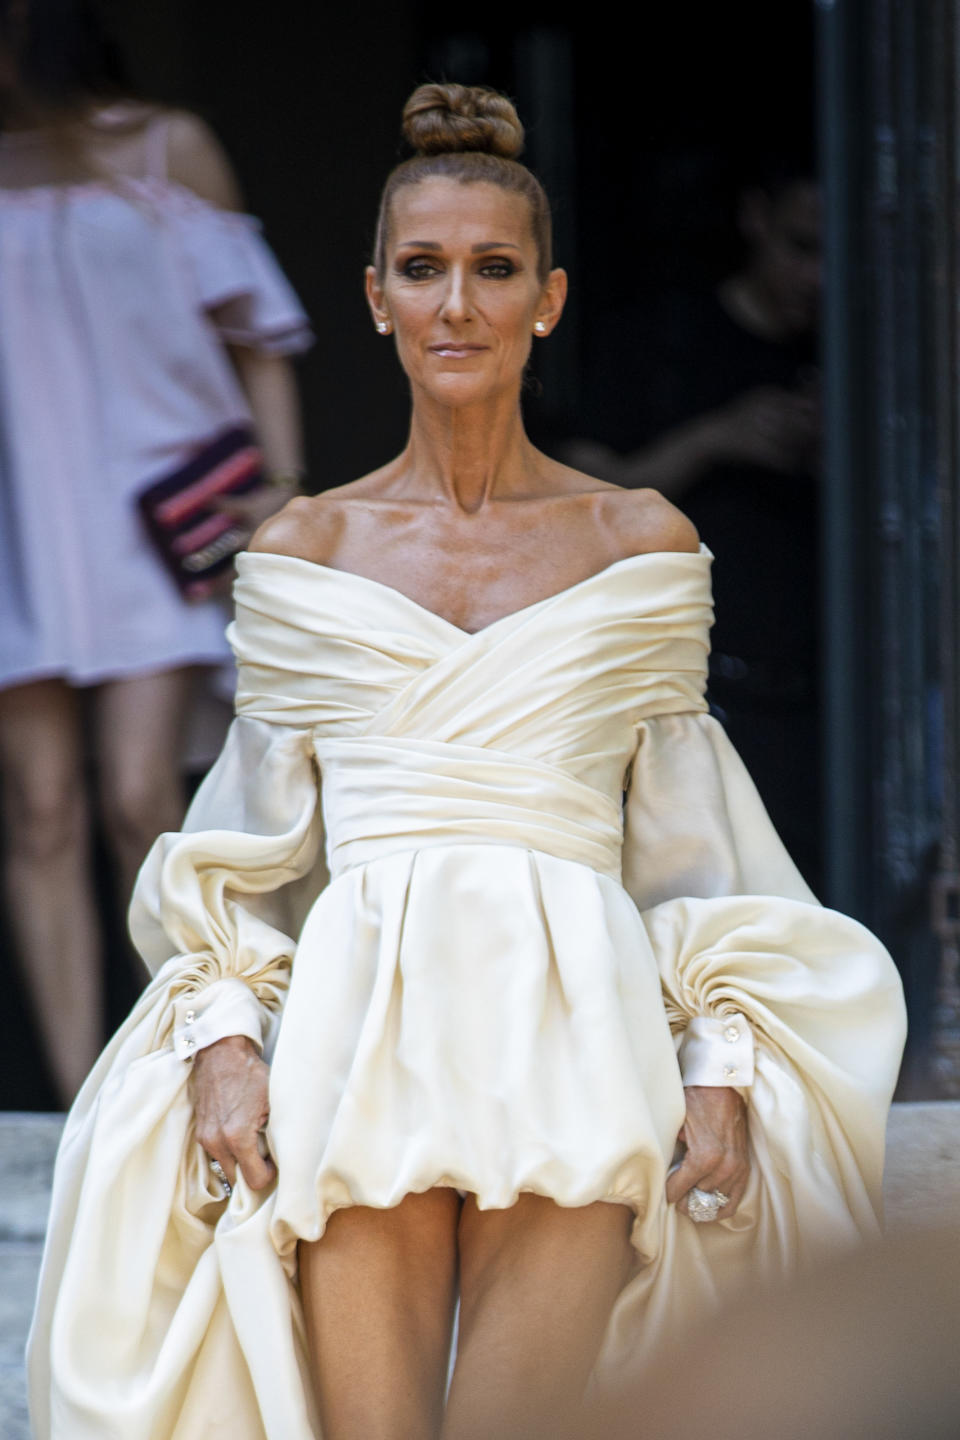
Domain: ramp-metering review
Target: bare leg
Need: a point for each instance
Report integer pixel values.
(139, 731)
(47, 874)
(537, 1285)
(378, 1293)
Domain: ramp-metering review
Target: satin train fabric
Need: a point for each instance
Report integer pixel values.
(474, 964)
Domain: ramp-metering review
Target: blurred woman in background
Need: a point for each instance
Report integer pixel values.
(140, 315)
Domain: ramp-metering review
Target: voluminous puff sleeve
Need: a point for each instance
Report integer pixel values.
(742, 945)
(762, 985)
(223, 900)
(747, 955)
(694, 825)
(136, 1291)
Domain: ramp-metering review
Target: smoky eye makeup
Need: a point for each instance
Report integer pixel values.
(499, 267)
(416, 267)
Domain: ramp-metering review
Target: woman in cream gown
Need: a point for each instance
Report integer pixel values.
(498, 902)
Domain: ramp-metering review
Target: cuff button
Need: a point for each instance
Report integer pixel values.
(732, 1034)
(730, 1072)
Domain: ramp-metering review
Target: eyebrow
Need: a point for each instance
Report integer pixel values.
(480, 249)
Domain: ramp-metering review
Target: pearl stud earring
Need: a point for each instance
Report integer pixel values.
(540, 326)
(383, 326)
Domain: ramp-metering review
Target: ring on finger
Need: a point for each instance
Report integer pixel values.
(703, 1206)
(221, 1175)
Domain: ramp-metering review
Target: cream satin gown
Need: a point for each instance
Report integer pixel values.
(485, 984)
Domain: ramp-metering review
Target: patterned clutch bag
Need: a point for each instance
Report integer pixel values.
(195, 540)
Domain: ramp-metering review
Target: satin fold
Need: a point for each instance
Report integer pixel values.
(373, 803)
(478, 887)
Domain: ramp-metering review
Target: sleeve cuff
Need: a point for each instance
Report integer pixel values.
(717, 1051)
(227, 1007)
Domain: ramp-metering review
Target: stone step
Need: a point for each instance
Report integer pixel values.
(921, 1188)
(28, 1145)
(921, 1181)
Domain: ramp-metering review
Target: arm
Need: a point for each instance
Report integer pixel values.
(679, 840)
(741, 944)
(769, 427)
(217, 909)
(670, 465)
(271, 389)
(274, 399)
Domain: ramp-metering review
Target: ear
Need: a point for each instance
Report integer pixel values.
(551, 303)
(378, 309)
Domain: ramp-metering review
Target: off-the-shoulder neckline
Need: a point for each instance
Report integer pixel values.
(248, 557)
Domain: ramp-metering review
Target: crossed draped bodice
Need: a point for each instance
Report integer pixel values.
(521, 733)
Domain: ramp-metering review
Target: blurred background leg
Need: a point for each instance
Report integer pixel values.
(47, 874)
(140, 722)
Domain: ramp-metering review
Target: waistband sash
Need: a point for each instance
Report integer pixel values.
(382, 796)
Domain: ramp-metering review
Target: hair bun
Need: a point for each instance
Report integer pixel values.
(440, 119)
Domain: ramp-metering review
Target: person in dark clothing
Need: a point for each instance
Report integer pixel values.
(713, 399)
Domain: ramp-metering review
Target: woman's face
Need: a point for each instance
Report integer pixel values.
(461, 290)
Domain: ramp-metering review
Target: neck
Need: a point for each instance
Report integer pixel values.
(467, 455)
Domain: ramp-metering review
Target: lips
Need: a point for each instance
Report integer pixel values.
(456, 352)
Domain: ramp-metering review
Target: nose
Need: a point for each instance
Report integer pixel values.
(457, 301)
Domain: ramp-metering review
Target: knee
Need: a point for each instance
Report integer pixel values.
(136, 807)
(45, 815)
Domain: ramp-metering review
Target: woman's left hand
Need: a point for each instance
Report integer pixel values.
(716, 1158)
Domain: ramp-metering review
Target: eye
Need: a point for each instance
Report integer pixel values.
(418, 268)
(499, 269)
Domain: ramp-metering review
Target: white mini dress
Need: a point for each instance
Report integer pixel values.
(118, 297)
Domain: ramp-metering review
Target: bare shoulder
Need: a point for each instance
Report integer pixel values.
(310, 527)
(645, 520)
(307, 528)
(637, 521)
(196, 159)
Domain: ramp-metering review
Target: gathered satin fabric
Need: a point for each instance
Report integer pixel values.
(479, 886)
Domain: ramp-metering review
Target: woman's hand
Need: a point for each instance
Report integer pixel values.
(770, 426)
(715, 1136)
(231, 1098)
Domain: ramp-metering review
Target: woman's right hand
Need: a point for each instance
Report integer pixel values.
(231, 1098)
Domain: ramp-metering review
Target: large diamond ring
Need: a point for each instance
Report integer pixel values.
(705, 1205)
(221, 1175)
